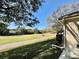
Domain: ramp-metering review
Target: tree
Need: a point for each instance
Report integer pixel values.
(36, 30)
(54, 24)
(3, 29)
(66, 9)
(19, 11)
(60, 12)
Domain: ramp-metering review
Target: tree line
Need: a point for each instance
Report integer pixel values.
(19, 31)
(23, 31)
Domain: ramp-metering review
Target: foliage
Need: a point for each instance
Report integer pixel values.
(37, 31)
(30, 31)
(61, 11)
(19, 11)
(66, 9)
(3, 29)
(21, 31)
(54, 24)
(46, 30)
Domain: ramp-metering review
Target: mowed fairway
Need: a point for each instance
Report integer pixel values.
(19, 38)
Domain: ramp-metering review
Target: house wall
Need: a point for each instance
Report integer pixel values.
(72, 39)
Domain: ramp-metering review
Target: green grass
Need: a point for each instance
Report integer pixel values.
(18, 38)
(11, 39)
(41, 50)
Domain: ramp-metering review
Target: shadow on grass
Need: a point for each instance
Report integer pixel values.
(41, 50)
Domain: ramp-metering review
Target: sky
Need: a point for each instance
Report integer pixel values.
(46, 10)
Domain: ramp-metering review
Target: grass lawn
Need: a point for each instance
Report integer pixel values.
(18, 38)
(41, 50)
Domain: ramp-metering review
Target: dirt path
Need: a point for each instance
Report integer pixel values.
(27, 42)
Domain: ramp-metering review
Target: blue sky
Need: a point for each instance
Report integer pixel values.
(46, 10)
